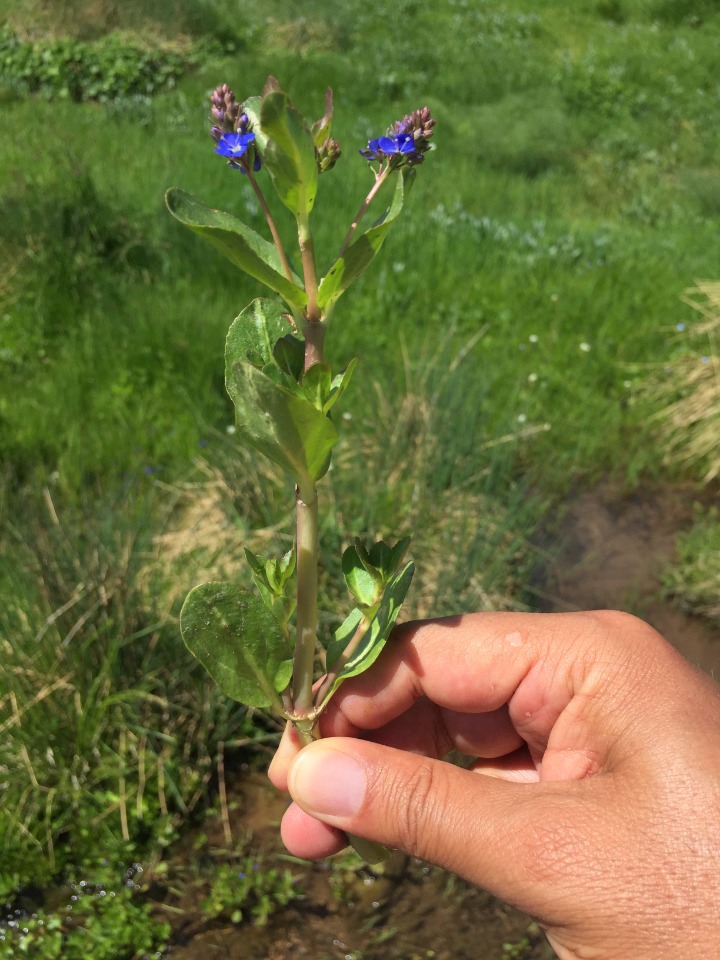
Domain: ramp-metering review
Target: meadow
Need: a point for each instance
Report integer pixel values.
(522, 337)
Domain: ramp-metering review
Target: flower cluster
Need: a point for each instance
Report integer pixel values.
(231, 130)
(406, 142)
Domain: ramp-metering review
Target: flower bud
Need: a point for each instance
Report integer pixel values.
(328, 154)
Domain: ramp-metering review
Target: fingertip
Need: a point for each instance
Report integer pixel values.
(308, 838)
(287, 750)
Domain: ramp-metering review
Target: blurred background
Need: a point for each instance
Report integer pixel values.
(538, 400)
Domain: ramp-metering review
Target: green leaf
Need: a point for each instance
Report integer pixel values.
(339, 385)
(252, 108)
(362, 251)
(283, 426)
(276, 583)
(289, 154)
(253, 334)
(369, 648)
(238, 242)
(289, 355)
(238, 641)
(343, 636)
(316, 383)
(364, 582)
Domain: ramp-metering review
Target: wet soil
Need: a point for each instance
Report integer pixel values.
(406, 910)
(608, 551)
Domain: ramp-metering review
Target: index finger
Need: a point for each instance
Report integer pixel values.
(539, 665)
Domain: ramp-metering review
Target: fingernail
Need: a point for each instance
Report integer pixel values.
(326, 782)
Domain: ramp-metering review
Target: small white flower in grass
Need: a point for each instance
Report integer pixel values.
(230, 429)
(585, 347)
(627, 384)
(347, 415)
(521, 418)
(532, 378)
(533, 338)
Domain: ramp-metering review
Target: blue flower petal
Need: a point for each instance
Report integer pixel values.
(234, 145)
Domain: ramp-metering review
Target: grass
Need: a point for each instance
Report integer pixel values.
(686, 392)
(693, 579)
(509, 337)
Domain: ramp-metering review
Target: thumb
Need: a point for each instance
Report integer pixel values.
(473, 825)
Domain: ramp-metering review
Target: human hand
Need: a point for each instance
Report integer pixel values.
(592, 802)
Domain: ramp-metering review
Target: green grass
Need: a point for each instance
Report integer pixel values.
(505, 337)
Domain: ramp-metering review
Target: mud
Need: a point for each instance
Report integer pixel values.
(408, 911)
(610, 553)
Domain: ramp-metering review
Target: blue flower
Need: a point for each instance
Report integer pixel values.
(389, 147)
(236, 145)
(403, 143)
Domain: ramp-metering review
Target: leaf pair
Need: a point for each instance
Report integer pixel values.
(367, 572)
(370, 632)
(244, 649)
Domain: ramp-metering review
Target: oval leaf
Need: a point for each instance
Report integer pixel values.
(238, 242)
(238, 641)
(284, 426)
(254, 333)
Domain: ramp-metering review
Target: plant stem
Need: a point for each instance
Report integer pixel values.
(270, 222)
(307, 579)
(380, 179)
(307, 252)
(349, 650)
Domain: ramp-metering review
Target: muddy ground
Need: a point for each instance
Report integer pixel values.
(610, 552)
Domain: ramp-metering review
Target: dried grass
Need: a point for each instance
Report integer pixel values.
(687, 390)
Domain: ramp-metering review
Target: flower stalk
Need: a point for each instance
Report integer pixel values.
(283, 392)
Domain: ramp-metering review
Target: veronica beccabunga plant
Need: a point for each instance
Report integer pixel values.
(261, 647)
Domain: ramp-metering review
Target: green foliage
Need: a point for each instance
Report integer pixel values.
(362, 251)
(97, 922)
(374, 633)
(290, 154)
(109, 68)
(249, 891)
(241, 245)
(109, 732)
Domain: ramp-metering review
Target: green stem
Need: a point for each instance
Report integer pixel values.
(307, 581)
(330, 678)
(380, 179)
(270, 222)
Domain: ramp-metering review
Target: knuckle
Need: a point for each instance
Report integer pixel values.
(415, 802)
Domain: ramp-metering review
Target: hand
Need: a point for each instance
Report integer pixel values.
(593, 798)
